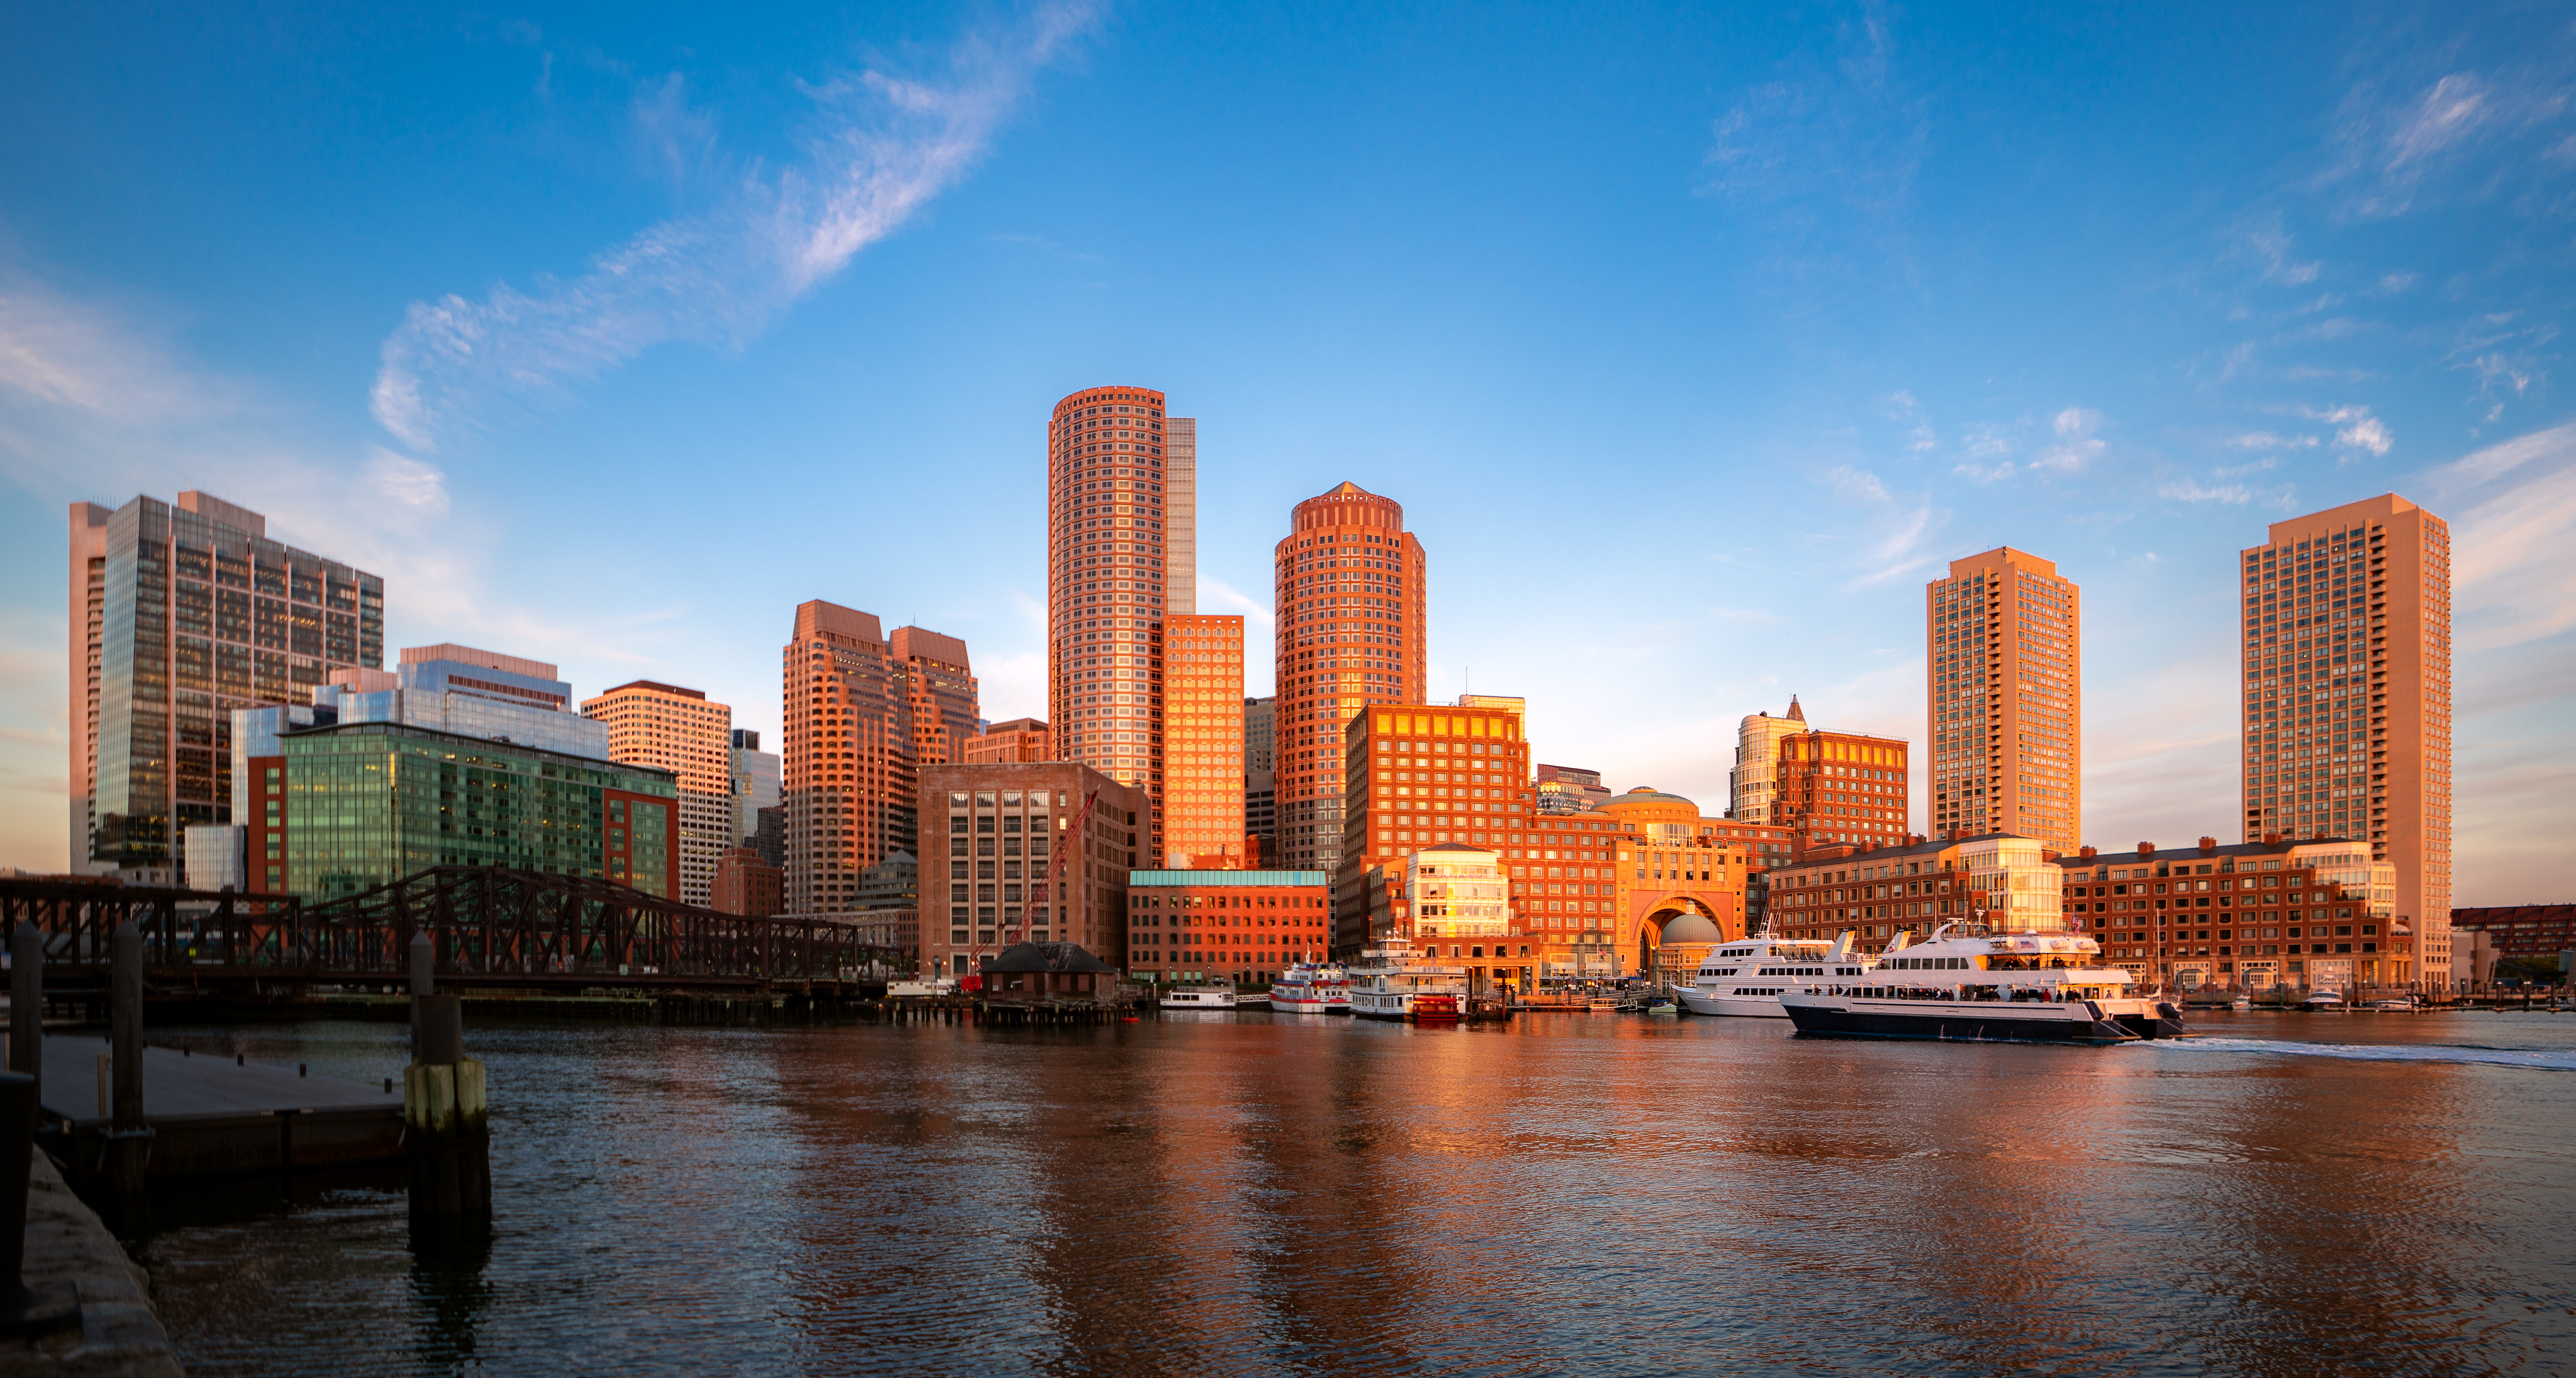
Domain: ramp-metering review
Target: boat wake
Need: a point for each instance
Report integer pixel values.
(2546, 1059)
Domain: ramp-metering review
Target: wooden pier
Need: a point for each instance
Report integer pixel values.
(210, 1115)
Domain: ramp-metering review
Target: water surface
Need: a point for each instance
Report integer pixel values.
(2294, 1194)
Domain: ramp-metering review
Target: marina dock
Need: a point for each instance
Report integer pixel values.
(210, 1115)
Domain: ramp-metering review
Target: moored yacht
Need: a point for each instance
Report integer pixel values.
(1970, 981)
(1393, 980)
(1746, 978)
(1312, 988)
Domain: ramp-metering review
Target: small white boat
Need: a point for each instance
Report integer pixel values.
(1745, 979)
(1205, 995)
(2391, 1006)
(2323, 1000)
(1312, 988)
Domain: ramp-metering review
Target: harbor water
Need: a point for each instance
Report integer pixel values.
(2289, 1194)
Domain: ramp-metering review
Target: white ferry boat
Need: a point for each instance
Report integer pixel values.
(1207, 995)
(1969, 981)
(1745, 979)
(1393, 981)
(1312, 988)
(921, 990)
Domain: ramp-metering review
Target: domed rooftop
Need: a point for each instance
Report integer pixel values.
(1690, 928)
(1645, 794)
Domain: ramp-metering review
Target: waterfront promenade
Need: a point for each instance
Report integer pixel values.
(1562, 1193)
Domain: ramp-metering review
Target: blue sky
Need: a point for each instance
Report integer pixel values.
(1693, 340)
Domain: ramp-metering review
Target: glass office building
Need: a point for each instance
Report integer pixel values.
(181, 614)
(367, 803)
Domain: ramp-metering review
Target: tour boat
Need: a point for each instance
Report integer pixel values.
(1972, 982)
(1745, 979)
(2323, 1000)
(1312, 988)
(1210, 995)
(1393, 981)
(916, 990)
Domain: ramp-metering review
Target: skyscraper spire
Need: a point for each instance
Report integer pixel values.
(1796, 713)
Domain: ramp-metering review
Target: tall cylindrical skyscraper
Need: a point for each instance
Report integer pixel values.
(1114, 531)
(1351, 631)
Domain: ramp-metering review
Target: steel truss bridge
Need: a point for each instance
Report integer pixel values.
(490, 926)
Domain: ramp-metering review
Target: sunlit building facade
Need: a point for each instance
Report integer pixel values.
(1120, 539)
(862, 713)
(1203, 748)
(681, 731)
(2347, 639)
(179, 615)
(2003, 634)
(1348, 586)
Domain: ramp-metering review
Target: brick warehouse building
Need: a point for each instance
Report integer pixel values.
(1002, 861)
(2254, 915)
(1243, 926)
(2522, 930)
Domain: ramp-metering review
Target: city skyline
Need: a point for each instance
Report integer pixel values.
(1711, 526)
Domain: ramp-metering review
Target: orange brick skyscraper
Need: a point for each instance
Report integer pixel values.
(862, 713)
(1118, 496)
(1203, 741)
(2347, 627)
(2006, 700)
(1349, 590)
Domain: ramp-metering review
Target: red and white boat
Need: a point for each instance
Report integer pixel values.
(1393, 980)
(1312, 988)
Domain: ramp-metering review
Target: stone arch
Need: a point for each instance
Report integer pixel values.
(1655, 918)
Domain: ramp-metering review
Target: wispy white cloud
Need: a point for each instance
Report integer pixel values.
(60, 351)
(2513, 568)
(2192, 490)
(2076, 445)
(884, 147)
(2265, 440)
(1856, 483)
(2394, 148)
(2270, 245)
(2359, 429)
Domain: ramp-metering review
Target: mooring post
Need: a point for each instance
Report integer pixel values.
(424, 982)
(443, 1115)
(23, 1310)
(27, 1005)
(129, 1140)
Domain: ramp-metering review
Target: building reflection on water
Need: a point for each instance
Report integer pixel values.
(1584, 1191)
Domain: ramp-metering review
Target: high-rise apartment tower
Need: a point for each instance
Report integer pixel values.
(1348, 586)
(682, 732)
(2006, 699)
(1120, 512)
(2347, 627)
(179, 615)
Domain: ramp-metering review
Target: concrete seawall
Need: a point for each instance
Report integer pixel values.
(120, 1335)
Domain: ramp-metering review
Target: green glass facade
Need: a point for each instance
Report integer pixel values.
(370, 803)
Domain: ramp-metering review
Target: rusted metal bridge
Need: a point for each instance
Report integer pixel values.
(490, 927)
